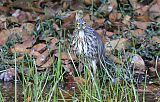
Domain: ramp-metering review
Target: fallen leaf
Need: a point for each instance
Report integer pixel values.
(80, 80)
(109, 34)
(65, 56)
(100, 22)
(4, 36)
(7, 75)
(101, 32)
(88, 20)
(158, 94)
(65, 5)
(29, 42)
(115, 59)
(138, 32)
(42, 58)
(39, 47)
(54, 40)
(20, 58)
(152, 72)
(68, 19)
(87, 17)
(108, 7)
(4, 9)
(28, 27)
(12, 19)
(154, 63)
(90, 2)
(56, 26)
(69, 68)
(16, 13)
(154, 11)
(135, 4)
(117, 44)
(143, 18)
(156, 39)
(138, 63)
(3, 22)
(143, 10)
(49, 63)
(19, 48)
(126, 20)
(34, 53)
(115, 16)
(141, 25)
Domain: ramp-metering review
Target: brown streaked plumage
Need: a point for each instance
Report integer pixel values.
(87, 42)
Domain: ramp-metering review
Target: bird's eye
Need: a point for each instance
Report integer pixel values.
(84, 23)
(78, 24)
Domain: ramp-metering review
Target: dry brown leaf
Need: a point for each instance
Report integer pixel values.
(109, 34)
(4, 36)
(4, 9)
(68, 19)
(42, 58)
(77, 5)
(112, 5)
(54, 40)
(101, 31)
(117, 44)
(115, 16)
(100, 22)
(152, 72)
(158, 2)
(90, 2)
(68, 68)
(3, 23)
(20, 58)
(138, 32)
(25, 6)
(88, 20)
(39, 47)
(65, 5)
(56, 26)
(154, 64)
(87, 17)
(65, 56)
(28, 27)
(154, 12)
(143, 18)
(115, 59)
(8, 75)
(19, 48)
(135, 4)
(142, 10)
(65, 62)
(138, 63)
(126, 20)
(34, 53)
(141, 25)
(49, 63)
(28, 43)
(22, 16)
(23, 32)
(156, 39)
(108, 7)
(80, 80)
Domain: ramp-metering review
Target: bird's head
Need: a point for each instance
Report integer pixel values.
(80, 24)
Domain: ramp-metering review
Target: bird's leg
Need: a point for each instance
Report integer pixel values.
(94, 66)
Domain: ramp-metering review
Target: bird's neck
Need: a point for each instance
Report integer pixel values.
(81, 34)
